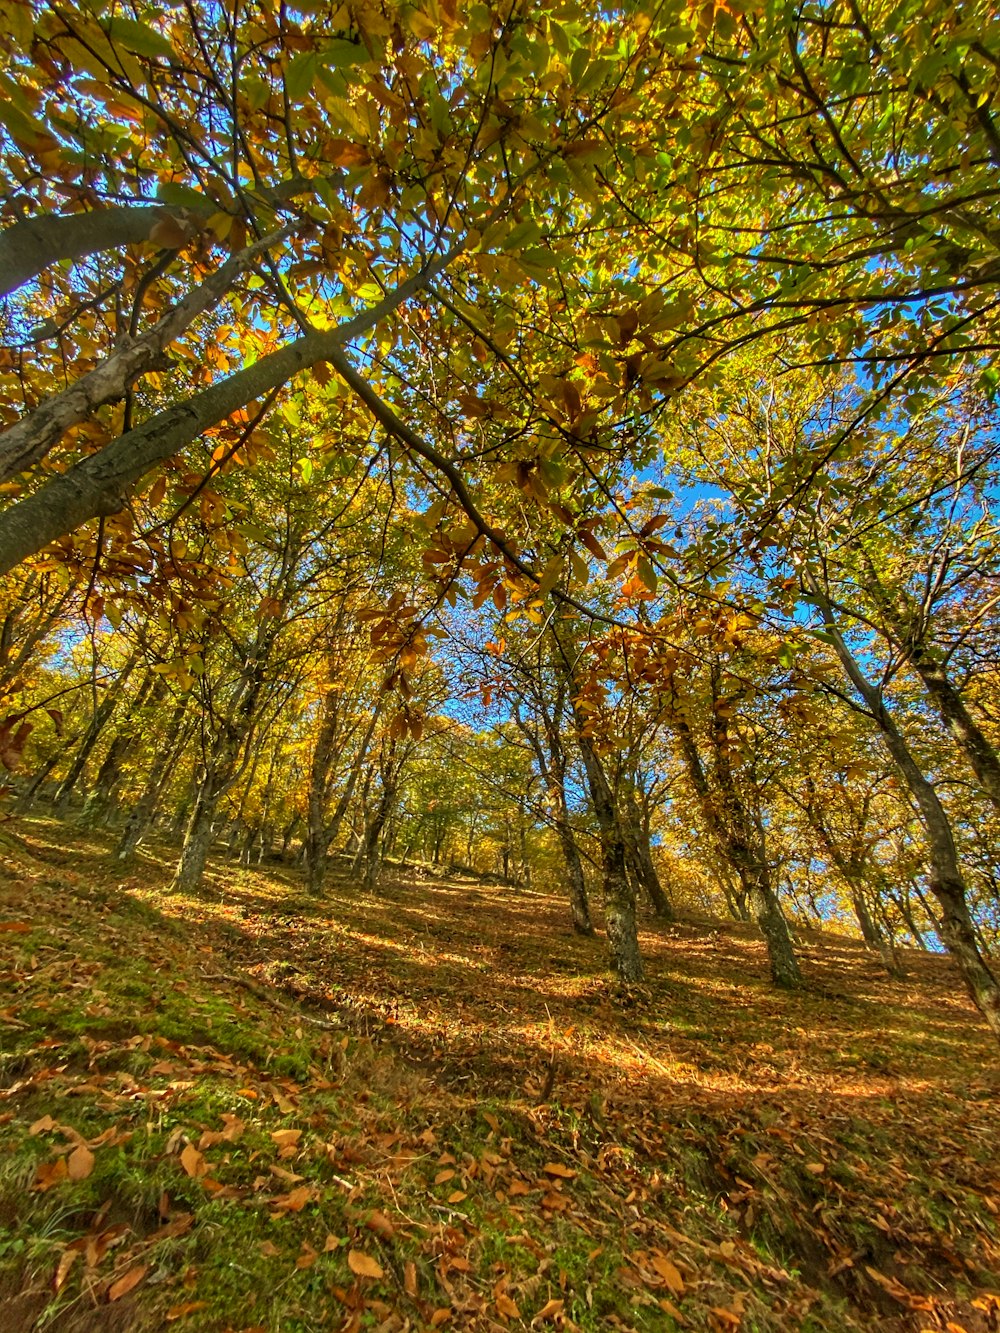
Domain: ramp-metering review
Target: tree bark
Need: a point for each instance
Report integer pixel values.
(640, 858)
(619, 899)
(727, 828)
(969, 736)
(945, 879)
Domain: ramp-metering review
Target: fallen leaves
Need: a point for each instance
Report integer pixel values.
(193, 1162)
(80, 1163)
(128, 1282)
(363, 1265)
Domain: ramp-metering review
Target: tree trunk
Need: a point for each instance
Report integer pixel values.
(144, 810)
(640, 858)
(619, 899)
(102, 714)
(944, 875)
(970, 737)
(727, 825)
(198, 839)
(579, 906)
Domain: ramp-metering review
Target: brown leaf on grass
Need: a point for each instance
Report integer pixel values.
(308, 1256)
(379, 1223)
(66, 1262)
(42, 1126)
(549, 1311)
(15, 927)
(557, 1169)
(193, 1162)
(80, 1163)
(440, 1316)
(182, 1311)
(410, 1285)
(664, 1268)
(49, 1174)
(127, 1283)
(364, 1265)
(295, 1200)
(506, 1307)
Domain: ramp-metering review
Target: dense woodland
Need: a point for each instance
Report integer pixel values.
(499, 666)
(554, 441)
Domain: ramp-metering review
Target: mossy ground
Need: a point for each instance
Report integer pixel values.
(432, 1108)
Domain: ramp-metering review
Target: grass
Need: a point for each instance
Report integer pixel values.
(431, 1108)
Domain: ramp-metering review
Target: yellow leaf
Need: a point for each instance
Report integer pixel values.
(364, 1265)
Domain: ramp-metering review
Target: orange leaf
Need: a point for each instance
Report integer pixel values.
(49, 1174)
(40, 1126)
(410, 1278)
(549, 1311)
(15, 927)
(182, 1311)
(296, 1199)
(364, 1265)
(507, 1307)
(379, 1222)
(126, 1284)
(668, 1271)
(80, 1163)
(440, 1317)
(67, 1261)
(557, 1169)
(193, 1162)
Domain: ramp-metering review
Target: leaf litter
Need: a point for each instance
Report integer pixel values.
(432, 1108)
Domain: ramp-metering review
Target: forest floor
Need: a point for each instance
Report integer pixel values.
(432, 1108)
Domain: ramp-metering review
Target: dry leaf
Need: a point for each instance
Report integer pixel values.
(817, 1168)
(410, 1279)
(364, 1265)
(193, 1162)
(379, 1223)
(296, 1199)
(457, 1196)
(548, 1311)
(182, 1311)
(127, 1283)
(506, 1307)
(669, 1272)
(69, 1258)
(80, 1163)
(49, 1174)
(557, 1169)
(440, 1317)
(46, 1123)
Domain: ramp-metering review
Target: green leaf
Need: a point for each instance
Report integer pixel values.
(138, 38)
(184, 196)
(342, 55)
(300, 74)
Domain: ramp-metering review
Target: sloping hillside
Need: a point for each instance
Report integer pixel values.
(432, 1108)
